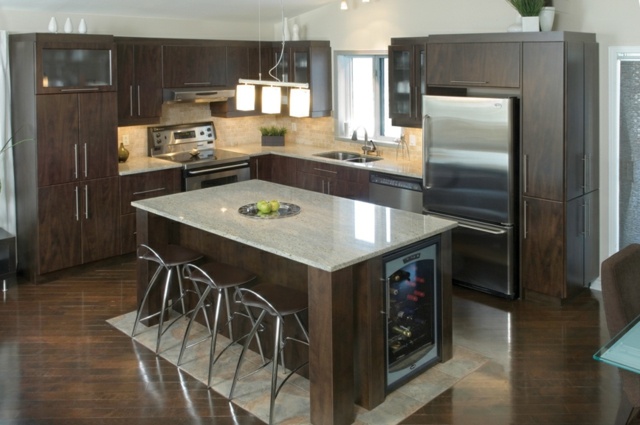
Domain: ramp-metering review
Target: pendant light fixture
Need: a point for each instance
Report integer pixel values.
(271, 90)
(344, 5)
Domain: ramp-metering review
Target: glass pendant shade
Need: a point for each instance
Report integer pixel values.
(299, 103)
(271, 100)
(344, 5)
(245, 97)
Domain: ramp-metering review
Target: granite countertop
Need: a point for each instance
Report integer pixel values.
(389, 163)
(329, 233)
(144, 164)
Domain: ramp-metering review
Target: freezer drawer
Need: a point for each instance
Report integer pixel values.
(484, 257)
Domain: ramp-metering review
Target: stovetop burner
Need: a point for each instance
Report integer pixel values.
(192, 145)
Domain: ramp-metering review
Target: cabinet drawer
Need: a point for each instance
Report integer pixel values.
(135, 187)
(474, 64)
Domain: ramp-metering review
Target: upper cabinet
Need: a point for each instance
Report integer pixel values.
(139, 82)
(67, 62)
(189, 65)
(407, 80)
(305, 62)
(473, 64)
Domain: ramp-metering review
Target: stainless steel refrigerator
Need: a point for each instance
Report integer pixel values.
(470, 175)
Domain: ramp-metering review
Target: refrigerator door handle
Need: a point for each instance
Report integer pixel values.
(482, 229)
(426, 141)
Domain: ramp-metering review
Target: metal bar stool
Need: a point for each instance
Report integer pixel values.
(277, 301)
(169, 258)
(218, 278)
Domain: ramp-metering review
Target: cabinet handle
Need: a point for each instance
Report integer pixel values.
(326, 171)
(142, 192)
(77, 205)
(322, 186)
(468, 82)
(77, 90)
(524, 220)
(206, 83)
(257, 168)
(86, 202)
(587, 219)
(138, 92)
(525, 171)
(585, 165)
(86, 165)
(130, 100)
(75, 156)
(329, 188)
(425, 150)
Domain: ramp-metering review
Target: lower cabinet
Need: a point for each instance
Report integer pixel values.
(337, 180)
(561, 240)
(332, 179)
(135, 187)
(76, 222)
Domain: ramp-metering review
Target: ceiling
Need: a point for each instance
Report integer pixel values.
(235, 10)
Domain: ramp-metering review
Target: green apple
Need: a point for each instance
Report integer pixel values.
(275, 205)
(264, 207)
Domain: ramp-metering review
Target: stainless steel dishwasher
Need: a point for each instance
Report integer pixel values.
(403, 193)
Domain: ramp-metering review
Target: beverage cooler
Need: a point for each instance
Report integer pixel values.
(413, 311)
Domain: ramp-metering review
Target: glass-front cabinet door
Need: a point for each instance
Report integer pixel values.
(407, 83)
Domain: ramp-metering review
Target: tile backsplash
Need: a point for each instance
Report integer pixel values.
(317, 132)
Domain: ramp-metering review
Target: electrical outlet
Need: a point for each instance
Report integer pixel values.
(125, 139)
(294, 127)
(412, 140)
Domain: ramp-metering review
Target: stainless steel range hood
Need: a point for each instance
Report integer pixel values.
(196, 95)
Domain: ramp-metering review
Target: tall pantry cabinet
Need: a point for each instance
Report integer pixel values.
(64, 98)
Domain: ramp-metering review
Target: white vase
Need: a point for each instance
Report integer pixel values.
(68, 28)
(53, 25)
(82, 27)
(285, 30)
(547, 15)
(295, 32)
(530, 24)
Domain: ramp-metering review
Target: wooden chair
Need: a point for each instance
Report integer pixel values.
(620, 276)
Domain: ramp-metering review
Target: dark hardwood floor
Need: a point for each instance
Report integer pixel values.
(61, 363)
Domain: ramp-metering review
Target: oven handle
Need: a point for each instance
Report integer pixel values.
(213, 170)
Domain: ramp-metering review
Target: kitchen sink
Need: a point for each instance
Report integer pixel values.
(348, 156)
(364, 159)
(339, 155)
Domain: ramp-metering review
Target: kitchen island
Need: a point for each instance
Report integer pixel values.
(332, 250)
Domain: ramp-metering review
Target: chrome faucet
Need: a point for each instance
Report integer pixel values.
(368, 146)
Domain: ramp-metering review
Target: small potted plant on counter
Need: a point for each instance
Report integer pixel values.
(273, 135)
(530, 11)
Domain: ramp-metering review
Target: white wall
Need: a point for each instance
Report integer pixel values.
(370, 26)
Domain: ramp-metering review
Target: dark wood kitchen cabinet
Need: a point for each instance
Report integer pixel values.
(76, 222)
(493, 64)
(66, 192)
(306, 62)
(77, 136)
(275, 168)
(135, 187)
(139, 82)
(559, 184)
(191, 65)
(244, 60)
(407, 80)
(337, 180)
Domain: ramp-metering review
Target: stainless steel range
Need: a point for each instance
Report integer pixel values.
(193, 146)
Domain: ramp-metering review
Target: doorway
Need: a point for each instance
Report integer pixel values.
(624, 150)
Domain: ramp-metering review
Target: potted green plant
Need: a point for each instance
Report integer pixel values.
(273, 135)
(530, 11)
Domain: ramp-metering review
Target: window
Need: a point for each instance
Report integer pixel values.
(361, 87)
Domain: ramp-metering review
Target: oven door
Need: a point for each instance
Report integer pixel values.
(215, 175)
